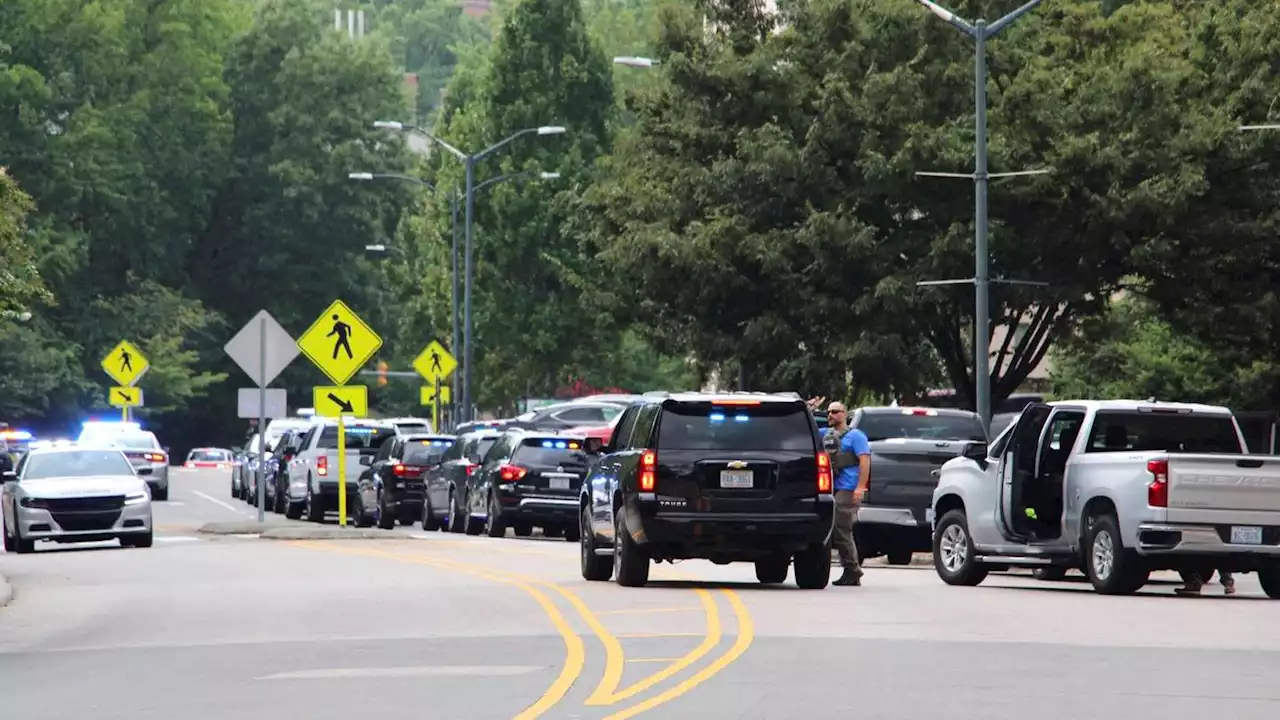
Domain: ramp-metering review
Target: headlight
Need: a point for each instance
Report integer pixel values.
(34, 503)
(137, 498)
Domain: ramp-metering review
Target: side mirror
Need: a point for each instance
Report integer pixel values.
(975, 451)
(10, 476)
(366, 459)
(146, 471)
(594, 445)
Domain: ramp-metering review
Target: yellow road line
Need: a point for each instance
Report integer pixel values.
(650, 610)
(746, 634)
(575, 651)
(709, 641)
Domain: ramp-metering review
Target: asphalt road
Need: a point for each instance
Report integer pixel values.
(446, 626)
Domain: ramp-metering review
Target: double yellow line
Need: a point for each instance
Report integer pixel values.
(606, 692)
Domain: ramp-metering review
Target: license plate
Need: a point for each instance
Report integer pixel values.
(559, 483)
(1246, 535)
(737, 479)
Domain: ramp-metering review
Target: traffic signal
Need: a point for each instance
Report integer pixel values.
(382, 372)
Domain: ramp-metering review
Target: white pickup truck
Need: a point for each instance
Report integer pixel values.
(1116, 488)
(313, 472)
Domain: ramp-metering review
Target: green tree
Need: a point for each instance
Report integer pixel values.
(1131, 352)
(20, 283)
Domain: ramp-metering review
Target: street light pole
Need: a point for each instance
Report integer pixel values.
(469, 161)
(981, 32)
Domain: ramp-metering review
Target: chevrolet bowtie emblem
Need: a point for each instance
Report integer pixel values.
(738, 464)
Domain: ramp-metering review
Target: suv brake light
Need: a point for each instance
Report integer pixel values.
(511, 473)
(648, 470)
(322, 465)
(471, 469)
(1158, 489)
(402, 470)
(824, 473)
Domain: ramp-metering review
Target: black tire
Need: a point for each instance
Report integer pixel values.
(456, 516)
(1112, 568)
(522, 529)
(9, 544)
(429, 521)
(1050, 573)
(953, 552)
(596, 568)
(293, 510)
(281, 505)
(898, 556)
(773, 570)
(813, 567)
(311, 509)
(470, 525)
(161, 494)
(21, 545)
(1269, 579)
(630, 565)
(571, 533)
(495, 526)
(553, 531)
(386, 521)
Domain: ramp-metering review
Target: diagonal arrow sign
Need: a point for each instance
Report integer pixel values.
(346, 406)
(124, 396)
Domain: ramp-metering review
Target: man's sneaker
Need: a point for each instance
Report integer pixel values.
(1188, 590)
(849, 579)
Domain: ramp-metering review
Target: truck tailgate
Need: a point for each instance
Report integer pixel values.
(1223, 488)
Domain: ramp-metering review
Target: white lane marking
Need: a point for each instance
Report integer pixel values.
(216, 501)
(405, 672)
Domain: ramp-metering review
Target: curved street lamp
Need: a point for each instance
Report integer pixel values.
(469, 161)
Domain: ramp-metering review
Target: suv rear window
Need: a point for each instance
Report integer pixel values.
(885, 425)
(551, 452)
(479, 447)
(706, 426)
(1119, 431)
(422, 452)
(365, 438)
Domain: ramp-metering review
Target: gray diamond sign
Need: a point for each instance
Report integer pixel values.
(262, 348)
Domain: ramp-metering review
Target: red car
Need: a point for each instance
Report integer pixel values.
(604, 432)
(217, 458)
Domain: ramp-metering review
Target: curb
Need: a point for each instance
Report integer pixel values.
(6, 591)
(245, 527)
(323, 533)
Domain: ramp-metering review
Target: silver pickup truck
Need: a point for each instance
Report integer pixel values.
(313, 472)
(1116, 488)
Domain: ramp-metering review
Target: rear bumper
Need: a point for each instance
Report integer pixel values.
(734, 536)
(1157, 539)
(539, 509)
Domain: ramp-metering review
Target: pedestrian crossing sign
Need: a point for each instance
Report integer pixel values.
(435, 363)
(125, 364)
(339, 342)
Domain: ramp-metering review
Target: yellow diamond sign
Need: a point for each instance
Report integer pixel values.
(435, 362)
(125, 364)
(339, 342)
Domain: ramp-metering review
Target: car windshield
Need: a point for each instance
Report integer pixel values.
(551, 452)
(136, 441)
(208, 456)
(479, 447)
(365, 438)
(907, 424)
(76, 463)
(710, 426)
(425, 452)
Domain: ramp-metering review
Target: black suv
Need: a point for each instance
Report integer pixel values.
(738, 477)
(528, 479)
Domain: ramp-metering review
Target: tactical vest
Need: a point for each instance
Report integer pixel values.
(831, 444)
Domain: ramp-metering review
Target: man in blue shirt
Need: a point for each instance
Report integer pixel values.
(850, 454)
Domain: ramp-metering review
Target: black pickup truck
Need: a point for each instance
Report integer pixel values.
(907, 445)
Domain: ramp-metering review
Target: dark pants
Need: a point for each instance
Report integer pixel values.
(845, 516)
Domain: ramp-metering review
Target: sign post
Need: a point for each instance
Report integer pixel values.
(436, 364)
(262, 349)
(340, 343)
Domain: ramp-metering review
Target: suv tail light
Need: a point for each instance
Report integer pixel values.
(471, 469)
(648, 470)
(511, 473)
(322, 465)
(824, 473)
(1158, 489)
(402, 470)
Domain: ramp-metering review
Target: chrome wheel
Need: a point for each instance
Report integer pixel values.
(955, 548)
(1104, 554)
